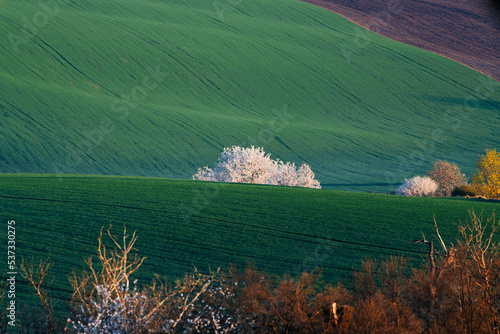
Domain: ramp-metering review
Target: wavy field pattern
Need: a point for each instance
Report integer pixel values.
(181, 224)
(156, 88)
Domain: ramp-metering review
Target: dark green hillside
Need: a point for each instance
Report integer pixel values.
(158, 88)
(186, 223)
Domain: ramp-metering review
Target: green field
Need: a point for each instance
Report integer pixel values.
(181, 224)
(77, 94)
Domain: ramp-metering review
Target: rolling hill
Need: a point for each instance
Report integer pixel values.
(466, 31)
(181, 224)
(155, 88)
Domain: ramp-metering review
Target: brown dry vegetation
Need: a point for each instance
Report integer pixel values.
(457, 291)
(467, 31)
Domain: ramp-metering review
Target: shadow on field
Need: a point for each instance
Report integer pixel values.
(483, 200)
(470, 102)
(359, 184)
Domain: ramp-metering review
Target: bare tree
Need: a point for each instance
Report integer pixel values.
(36, 274)
(481, 248)
(105, 300)
(447, 176)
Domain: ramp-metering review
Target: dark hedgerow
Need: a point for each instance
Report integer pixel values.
(464, 191)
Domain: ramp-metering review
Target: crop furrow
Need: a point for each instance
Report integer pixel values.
(73, 66)
(347, 242)
(51, 138)
(90, 203)
(210, 83)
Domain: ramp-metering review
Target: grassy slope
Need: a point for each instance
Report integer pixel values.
(432, 25)
(186, 223)
(226, 77)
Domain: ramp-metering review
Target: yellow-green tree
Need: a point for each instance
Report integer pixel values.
(487, 179)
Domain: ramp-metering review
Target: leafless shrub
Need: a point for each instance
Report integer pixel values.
(447, 176)
(480, 256)
(35, 274)
(106, 301)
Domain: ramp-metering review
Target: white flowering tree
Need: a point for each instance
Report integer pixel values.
(283, 174)
(241, 165)
(253, 165)
(306, 177)
(418, 186)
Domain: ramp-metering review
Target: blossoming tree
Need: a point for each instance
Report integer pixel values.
(418, 186)
(253, 165)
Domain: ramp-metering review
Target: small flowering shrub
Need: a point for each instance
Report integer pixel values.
(216, 311)
(112, 311)
(105, 302)
(418, 186)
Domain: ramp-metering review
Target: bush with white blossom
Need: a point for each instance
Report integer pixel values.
(253, 165)
(114, 309)
(104, 300)
(418, 186)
